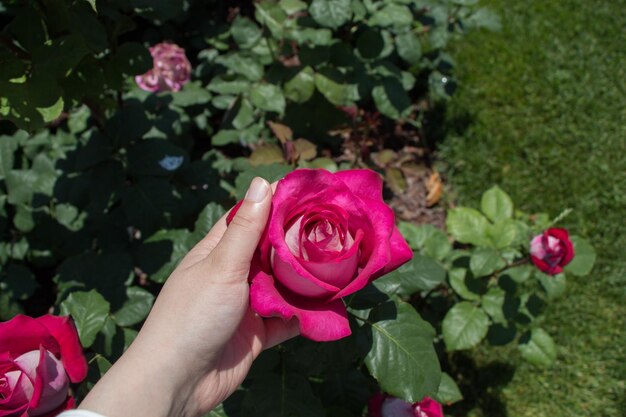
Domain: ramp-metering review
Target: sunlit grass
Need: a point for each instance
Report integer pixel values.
(546, 104)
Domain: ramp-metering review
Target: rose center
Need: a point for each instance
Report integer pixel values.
(554, 251)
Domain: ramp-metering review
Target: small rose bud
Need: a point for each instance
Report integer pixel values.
(551, 250)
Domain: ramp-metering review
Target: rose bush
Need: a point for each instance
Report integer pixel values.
(328, 236)
(38, 359)
(551, 250)
(171, 69)
(381, 405)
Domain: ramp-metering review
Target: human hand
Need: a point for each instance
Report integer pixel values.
(201, 337)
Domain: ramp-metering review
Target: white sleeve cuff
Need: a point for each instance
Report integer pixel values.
(79, 413)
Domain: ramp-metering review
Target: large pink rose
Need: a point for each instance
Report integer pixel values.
(38, 359)
(328, 236)
(551, 250)
(171, 69)
(381, 405)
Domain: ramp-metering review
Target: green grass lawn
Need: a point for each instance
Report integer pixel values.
(541, 111)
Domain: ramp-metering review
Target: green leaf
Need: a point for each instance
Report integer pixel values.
(419, 274)
(492, 303)
(485, 261)
(245, 32)
(135, 308)
(331, 13)
(392, 15)
(464, 326)
(272, 16)
(503, 233)
(464, 285)
(391, 99)
(402, 357)
(271, 172)
(554, 285)
(409, 47)
(584, 257)
(161, 253)
(207, 218)
(240, 64)
(540, 349)
(268, 97)
(89, 311)
(301, 87)
(467, 225)
(337, 93)
(519, 274)
(448, 391)
(292, 6)
(244, 116)
(496, 204)
(223, 84)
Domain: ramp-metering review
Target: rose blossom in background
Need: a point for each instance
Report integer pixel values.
(551, 250)
(38, 359)
(382, 405)
(171, 69)
(328, 236)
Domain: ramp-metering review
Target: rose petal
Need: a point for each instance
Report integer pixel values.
(401, 252)
(22, 334)
(428, 408)
(340, 271)
(363, 183)
(51, 381)
(318, 321)
(294, 276)
(71, 351)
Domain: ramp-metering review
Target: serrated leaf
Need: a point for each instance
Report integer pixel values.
(337, 93)
(392, 15)
(402, 357)
(302, 86)
(419, 274)
(485, 261)
(584, 257)
(89, 311)
(496, 204)
(467, 225)
(268, 97)
(467, 287)
(464, 326)
(492, 303)
(554, 285)
(503, 233)
(391, 99)
(540, 349)
(245, 32)
(331, 13)
(135, 308)
(207, 218)
(409, 47)
(448, 391)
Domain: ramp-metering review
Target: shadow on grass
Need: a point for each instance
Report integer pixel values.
(481, 386)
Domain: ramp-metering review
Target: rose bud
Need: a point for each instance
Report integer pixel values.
(38, 360)
(551, 250)
(382, 405)
(328, 236)
(171, 69)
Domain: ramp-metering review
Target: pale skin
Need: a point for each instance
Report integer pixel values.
(201, 337)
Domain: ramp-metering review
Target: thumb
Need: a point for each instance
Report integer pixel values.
(235, 250)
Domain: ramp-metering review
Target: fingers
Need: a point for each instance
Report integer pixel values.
(278, 330)
(234, 251)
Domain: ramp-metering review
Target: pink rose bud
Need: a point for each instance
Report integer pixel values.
(382, 405)
(171, 69)
(328, 236)
(551, 250)
(38, 359)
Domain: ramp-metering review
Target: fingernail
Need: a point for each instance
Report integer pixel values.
(257, 191)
